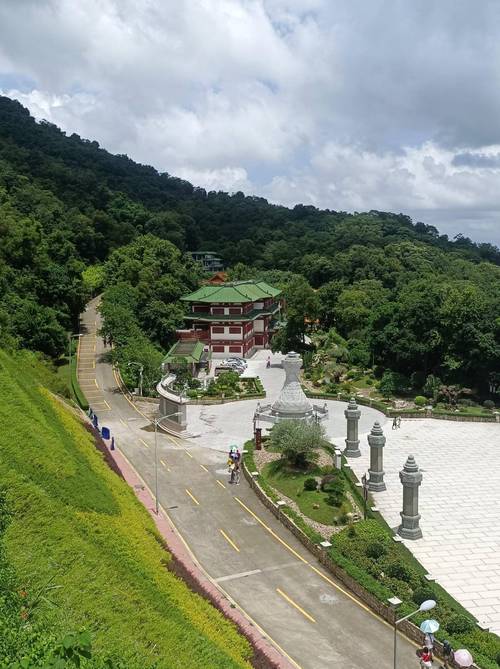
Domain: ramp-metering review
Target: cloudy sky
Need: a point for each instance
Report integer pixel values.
(346, 104)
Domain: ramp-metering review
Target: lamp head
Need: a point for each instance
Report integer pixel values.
(427, 605)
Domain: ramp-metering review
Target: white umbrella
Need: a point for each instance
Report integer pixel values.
(463, 658)
(429, 626)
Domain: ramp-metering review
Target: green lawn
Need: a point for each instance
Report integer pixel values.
(292, 485)
(76, 524)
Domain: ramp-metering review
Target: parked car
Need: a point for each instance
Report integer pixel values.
(239, 361)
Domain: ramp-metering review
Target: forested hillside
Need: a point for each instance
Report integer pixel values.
(399, 296)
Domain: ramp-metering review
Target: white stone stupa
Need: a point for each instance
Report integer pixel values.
(292, 404)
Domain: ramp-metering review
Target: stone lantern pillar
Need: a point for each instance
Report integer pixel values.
(352, 413)
(376, 440)
(411, 478)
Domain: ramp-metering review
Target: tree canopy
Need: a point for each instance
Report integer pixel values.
(75, 219)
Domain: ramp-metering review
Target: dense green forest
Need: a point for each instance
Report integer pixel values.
(399, 296)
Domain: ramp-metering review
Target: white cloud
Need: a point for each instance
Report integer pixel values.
(341, 103)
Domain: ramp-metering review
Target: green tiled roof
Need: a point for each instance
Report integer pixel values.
(190, 350)
(235, 292)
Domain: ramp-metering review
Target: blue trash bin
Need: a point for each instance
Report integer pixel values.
(105, 432)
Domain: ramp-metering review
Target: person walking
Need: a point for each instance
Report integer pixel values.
(394, 423)
(399, 421)
(426, 658)
(268, 363)
(447, 655)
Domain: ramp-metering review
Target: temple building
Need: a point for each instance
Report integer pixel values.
(233, 318)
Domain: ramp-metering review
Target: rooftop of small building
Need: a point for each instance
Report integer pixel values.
(190, 350)
(237, 292)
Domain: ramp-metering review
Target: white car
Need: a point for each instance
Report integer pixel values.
(236, 361)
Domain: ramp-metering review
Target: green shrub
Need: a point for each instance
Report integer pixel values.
(459, 624)
(193, 394)
(212, 390)
(465, 402)
(376, 550)
(422, 594)
(336, 492)
(420, 400)
(399, 570)
(489, 404)
(328, 480)
(194, 383)
(351, 531)
(310, 484)
(335, 499)
(369, 382)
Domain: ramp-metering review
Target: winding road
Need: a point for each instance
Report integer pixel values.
(307, 615)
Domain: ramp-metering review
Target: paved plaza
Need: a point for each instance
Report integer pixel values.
(459, 496)
(459, 505)
(218, 426)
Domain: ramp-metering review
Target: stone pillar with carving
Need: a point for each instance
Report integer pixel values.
(352, 414)
(411, 478)
(376, 440)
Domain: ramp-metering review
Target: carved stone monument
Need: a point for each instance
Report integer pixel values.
(352, 413)
(376, 440)
(411, 478)
(292, 404)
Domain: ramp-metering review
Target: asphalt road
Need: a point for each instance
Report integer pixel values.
(240, 544)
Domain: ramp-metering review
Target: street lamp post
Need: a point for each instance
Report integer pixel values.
(364, 483)
(141, 369)
(156, 422)
(70, 337)
(395, 602)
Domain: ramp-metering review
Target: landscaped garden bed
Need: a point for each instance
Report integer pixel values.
(296, 464)
(228, 385)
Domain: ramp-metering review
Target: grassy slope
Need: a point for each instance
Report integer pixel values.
(75, 521)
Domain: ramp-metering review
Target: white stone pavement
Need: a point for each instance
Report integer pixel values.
(459, 496)
(459, 504)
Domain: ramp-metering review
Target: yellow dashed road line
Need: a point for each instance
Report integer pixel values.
(299, 608)
(193, 497)
(283, 543)
(230, 541)
(220, 483)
